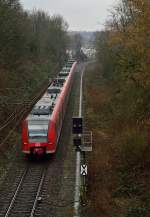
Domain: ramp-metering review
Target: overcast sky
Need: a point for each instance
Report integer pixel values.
(86, 15)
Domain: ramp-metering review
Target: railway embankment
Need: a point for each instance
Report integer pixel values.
(10, 130)
(57, 189)
(28, 59)
(119, 163)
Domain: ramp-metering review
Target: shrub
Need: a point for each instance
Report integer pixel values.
(132, 146)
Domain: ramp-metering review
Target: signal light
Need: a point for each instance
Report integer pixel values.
(77, 141)
(77, 127)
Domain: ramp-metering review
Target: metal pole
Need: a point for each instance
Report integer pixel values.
(84, 181)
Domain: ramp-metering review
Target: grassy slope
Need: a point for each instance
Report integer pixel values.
(118, 175)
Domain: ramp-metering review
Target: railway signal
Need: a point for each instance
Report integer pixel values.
(77, 125)
(83, 170)
(77, 141)
(77, 130)
(82, 140)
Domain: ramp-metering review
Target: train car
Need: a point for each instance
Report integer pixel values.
(42, 127)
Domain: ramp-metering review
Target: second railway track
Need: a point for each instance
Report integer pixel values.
(24, 200)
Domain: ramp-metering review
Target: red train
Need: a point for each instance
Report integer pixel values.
(42, 127)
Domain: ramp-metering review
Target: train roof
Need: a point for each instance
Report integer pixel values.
(43, 109)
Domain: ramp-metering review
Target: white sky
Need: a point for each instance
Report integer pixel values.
(88, 15)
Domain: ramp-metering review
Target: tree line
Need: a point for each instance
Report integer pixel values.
(32, 49)
(29, 35)
(121, 111)
(123, 52)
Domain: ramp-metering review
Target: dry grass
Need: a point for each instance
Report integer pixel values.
(118, 165)
(101, 161)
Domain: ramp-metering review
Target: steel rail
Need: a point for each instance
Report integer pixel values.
(16, 192)
(31, 211)
(37, 195)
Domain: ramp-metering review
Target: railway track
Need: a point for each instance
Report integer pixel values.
(26, 196)
(56, 189)
(19, 115)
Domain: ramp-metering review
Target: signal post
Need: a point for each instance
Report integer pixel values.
(82, 140)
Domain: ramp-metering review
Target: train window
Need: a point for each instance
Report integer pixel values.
(38, 136)
(64, 73)
(53, 90)
(38, 122)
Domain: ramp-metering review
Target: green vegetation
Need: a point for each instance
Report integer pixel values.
(32, 49)
(117, 94)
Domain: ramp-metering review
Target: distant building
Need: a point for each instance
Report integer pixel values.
(89, 52)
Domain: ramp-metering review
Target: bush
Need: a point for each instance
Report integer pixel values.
(137, 212)
(132, 146)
